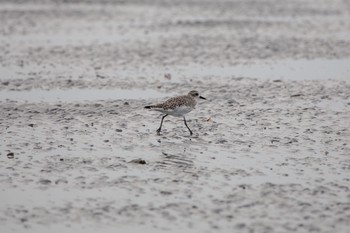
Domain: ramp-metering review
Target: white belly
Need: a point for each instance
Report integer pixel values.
(179, 111)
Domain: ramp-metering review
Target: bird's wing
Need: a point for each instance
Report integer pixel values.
(174, 102)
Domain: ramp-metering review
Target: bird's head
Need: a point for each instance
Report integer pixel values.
(194, 94)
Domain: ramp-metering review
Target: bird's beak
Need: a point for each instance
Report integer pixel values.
(202, 97)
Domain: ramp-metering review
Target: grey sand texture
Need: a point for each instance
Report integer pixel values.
(270, 145)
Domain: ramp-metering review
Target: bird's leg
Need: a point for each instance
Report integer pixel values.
(187, 126)
(161, 123)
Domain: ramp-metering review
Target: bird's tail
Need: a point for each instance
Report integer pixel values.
(150, 106)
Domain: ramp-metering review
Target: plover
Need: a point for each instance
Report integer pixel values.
(177, 107)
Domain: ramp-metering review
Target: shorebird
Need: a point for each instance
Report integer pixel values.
(177, 107)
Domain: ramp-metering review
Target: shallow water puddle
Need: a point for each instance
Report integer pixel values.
(78, 95)
(288, 69)
(318, 69)
(334, 105)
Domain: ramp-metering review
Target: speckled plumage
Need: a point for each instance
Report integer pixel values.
(173, 103)
(177, 106)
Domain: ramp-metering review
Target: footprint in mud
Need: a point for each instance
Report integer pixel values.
(171, 160)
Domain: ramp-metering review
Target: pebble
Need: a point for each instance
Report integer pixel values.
(138, 161)
(45, 181)
(10, 155)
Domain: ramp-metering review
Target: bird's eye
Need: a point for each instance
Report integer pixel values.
(197, 94)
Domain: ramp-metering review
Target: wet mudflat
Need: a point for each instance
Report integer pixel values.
(270, 150)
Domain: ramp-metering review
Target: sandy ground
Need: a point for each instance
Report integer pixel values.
(268, 154)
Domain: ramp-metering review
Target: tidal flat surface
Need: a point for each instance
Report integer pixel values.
(270, 150)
